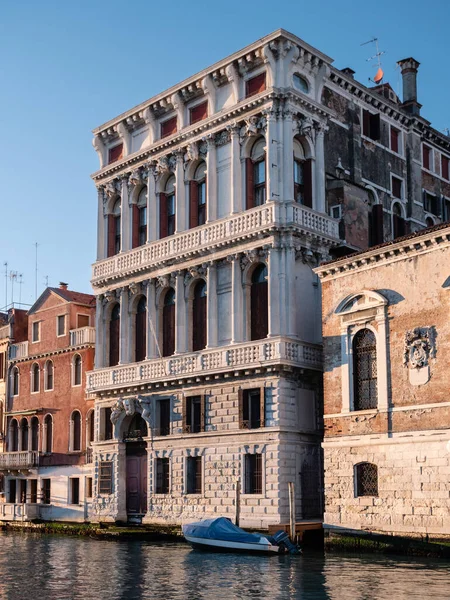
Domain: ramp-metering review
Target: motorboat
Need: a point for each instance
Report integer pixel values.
(221, 535)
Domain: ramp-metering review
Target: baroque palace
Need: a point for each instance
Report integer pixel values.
(218, 201)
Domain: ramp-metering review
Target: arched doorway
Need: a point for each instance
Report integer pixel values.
(136, 463)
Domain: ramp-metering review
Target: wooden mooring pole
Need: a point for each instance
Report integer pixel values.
(238, 501)
(292, 509)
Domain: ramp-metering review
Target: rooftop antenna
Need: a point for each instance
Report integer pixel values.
(379, 74)
(5, 264)
(35, 271)
(20, 287)
(46, 281)
(13, 277)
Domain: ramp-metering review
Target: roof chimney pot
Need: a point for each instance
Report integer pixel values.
(63, 286)
(409, 68)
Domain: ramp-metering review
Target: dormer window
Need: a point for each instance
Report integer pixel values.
(371, 125)
(115, 153)
(169, 127)
(198, 113)
(255, 85)
(300, 83)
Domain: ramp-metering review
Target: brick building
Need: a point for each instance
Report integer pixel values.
(49, 422)
(216, 198)
(386, 408)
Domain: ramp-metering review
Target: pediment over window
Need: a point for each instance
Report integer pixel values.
(364, 300)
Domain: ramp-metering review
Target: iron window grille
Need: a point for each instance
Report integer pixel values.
(366, 479)
(364, 370)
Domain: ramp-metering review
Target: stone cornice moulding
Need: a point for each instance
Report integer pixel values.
(34, 357)
(389, 253)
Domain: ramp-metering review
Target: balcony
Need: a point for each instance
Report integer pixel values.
(81, 336)
(238, 357)
(19, 512)
(18, 460)
(223, 232)
(17, 351)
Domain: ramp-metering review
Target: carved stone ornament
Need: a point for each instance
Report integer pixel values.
(163, 165)
(163, 281)
(129, 407)
(135, 178)
(109, 296)
(420, 347)
(306, 128)
(134, 288)
(116, 411)
(223, 138)
(191, 152)
(111, 189)
(146, 406)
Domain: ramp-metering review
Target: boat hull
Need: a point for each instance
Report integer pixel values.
(211, 545)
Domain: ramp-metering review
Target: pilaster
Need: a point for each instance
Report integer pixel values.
(180, 197)
(273, 163)
(237, 292)
(180, 314)
(152, 350)
(99, 333)
(211, 179)
(125, 238)
(211, 298)
(274, 292)
(236, 171)
(319, 197)
(288, 156)
(124, 357)
(152, 205)
(102, 226)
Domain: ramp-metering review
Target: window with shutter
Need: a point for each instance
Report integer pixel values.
(162, 476)
(399, 228)
(249, 183)
(395, 138)
(371, 125)
(194, 475)
(365, 392)
(141, 330)
(198, 113)
(115, 153)
(164, 416)
(253, 408)
(105, 477)
(397, 187)
(259, 305)
(199, 317)
(445, 164)
(114, 336)
(76, 431)
(168, 323)
(194, 414)
(426, 157)
(255, 85)
(169, 127)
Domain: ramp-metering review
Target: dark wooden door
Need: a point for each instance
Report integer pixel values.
(137, 484)
(114, 336)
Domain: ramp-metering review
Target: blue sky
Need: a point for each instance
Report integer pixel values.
(67, 67)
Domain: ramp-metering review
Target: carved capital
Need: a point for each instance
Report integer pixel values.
(163, 165)
(134, 179)
(191, 152)
(112, 189)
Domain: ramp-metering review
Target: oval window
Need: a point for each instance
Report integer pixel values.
(300, 83)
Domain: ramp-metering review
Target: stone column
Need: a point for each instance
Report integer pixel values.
(102, 227)
(273, 163)
(152, 326)
(99, 333)
(382, 362)
(211, 312)
(180, 315)
(124, 354)
(274, 292)
(237, 299)
(236, 171)
(125, 220)
(211, 179)
(288, 157)
(152, 206)
(180, 197)
(319, 196)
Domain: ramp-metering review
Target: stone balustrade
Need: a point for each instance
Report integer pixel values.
(222, 232)
(248, 355)
(81, 336)
(19, 350)
(19, 460)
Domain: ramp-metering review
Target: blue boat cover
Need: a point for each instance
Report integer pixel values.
(220, 529)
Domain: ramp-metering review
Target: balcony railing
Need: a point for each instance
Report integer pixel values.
(19, 460)
(5, 331)
(83, 335)
(19, 350)
(222, 232)
(236, 357)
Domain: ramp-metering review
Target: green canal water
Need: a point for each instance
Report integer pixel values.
(34, 566)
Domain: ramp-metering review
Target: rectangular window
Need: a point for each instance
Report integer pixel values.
(201, 217)
(396, 187)
(171, 214)
(46, 491)
(193, 415)
(35, 332)
(33, 491)
(299, 193)
(446, 209)
(60, 325)
(252, 408)
(142, 225)
(2, 365)
(253, 474)
(371, 125)
(162, 475)
(169, 127)
(82, 321)
(105, 477)
(107, 425)
(259, 178)
(115, 153)
(427, 157)
(22, 491)
(12, 491)
(430, 203)
(88, 491)
(255, 85)
(445, 164)
(194, 475)
(395, 140)
(198, 113)
(164, 416)
(75, 490)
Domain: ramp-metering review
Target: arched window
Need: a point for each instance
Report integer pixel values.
(13, 436)
(259, 306)
(300, 83)
(167, 209)
(141, 329)
(137, 429)
(24, 434)
(366, 475)
(114, 227)
(398, 222)
(364, 370)
(140, 219)
(302, 176)
(48, 434)
(197, 197)
(90, 426)
(75, 431)
(48, 375)
(256, 175)
(429, 222)
(35, 377)
(114, 336)
(15, 381)
(34, 434)
(168, 323)
(77, 370)
(199, 317)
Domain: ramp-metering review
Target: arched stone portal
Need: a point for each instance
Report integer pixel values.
(135, 433)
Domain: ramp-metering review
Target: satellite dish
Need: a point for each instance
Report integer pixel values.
(379, 76)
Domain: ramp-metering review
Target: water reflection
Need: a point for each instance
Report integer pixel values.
(60, 568)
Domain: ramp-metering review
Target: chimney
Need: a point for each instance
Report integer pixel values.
(348, 71)
(409, 67)
(63, 286)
